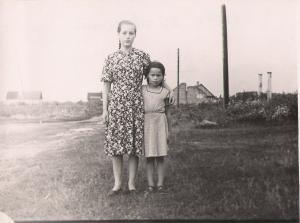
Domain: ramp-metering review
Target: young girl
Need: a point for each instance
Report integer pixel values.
(156, 124)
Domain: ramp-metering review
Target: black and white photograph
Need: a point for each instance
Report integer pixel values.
(143, 110)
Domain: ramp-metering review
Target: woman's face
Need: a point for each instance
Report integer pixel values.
(155, 77)
(127, 35)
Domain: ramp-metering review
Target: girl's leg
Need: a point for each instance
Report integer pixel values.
(133, 162)
(160, 170)
(150, 171)
(117, 169)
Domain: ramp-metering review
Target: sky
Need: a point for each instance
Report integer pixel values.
(59, 46)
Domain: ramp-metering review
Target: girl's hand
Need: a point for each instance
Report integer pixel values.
(168, 138)
(104, 117)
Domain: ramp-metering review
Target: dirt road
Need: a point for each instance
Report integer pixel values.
(26, 140)
(38, 165)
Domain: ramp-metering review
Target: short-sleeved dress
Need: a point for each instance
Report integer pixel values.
(156, 125)
(124, 130)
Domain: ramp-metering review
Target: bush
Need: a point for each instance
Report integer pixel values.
(188, 115)
(280, 108)
(247, 111)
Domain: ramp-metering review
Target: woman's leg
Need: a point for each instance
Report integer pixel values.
(160, 170)
(150, 171)
(117, 169)
(133, 162)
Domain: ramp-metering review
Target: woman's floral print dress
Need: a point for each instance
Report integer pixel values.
(125, 128)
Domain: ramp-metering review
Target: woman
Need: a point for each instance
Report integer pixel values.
(123, 107)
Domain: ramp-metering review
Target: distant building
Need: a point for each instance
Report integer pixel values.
(91, 96)
(28, 97)
(194, 94)
(12, 95)
(246, 95)
(252, 95)
(94, 103)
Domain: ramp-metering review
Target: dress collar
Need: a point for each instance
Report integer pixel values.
(155, 92)
(126, 52)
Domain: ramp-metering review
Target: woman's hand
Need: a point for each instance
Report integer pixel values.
(171, 98)
(105, 117)
(171, 94)
(168, 138)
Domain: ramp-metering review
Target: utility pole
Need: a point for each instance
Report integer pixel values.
(178, 77)
(269, 90)
(225, 58)
(260, 84)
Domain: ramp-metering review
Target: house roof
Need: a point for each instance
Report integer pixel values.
(181, 85)
(199, 87)
(26, 95)
(203, 90)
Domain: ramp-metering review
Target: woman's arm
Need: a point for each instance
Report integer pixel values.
(171, 98)
(168, 115)
(105, 95)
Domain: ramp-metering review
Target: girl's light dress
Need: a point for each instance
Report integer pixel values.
(155, 125)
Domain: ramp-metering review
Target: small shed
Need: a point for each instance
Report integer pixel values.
(94, 96)
(94, 103)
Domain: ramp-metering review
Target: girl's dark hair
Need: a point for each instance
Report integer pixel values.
(120, 26)
(155, 64)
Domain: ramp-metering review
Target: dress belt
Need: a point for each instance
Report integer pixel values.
(153, 112)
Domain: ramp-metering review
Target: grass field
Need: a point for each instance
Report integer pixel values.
(59, 171)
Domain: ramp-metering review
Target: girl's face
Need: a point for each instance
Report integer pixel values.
(155, 77)
(127, 35)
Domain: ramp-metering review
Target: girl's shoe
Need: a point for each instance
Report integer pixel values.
(161, 190)
(132, 191)
(150, 190)
(114, 192)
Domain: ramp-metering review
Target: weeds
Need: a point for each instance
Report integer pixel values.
(234, 171)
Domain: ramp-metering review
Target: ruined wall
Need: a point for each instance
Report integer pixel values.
(182, 94)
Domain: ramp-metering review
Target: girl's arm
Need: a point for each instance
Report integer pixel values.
(105, 94)
(171, 98)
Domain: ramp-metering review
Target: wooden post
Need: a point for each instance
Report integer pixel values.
(178, 77)
(225, 58)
